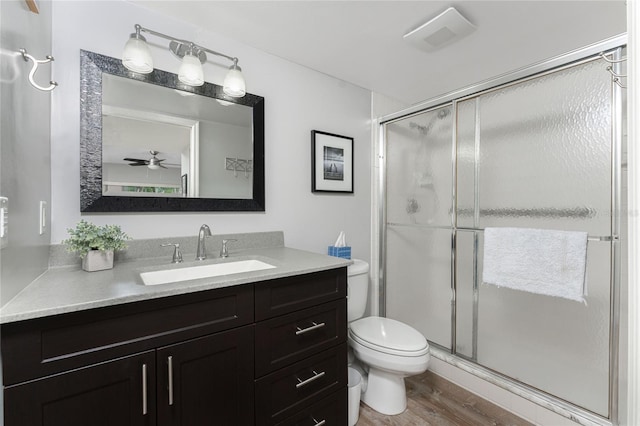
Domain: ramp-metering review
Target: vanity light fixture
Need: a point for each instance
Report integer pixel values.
(137, 58)
(190, 71)
(137, 55)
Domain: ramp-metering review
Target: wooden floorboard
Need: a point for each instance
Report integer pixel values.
(434, 401)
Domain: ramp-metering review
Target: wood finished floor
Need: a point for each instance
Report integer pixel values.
(434, 401)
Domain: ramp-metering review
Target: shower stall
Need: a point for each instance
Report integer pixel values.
(541, 148)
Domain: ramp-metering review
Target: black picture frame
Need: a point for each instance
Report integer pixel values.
(331, 162)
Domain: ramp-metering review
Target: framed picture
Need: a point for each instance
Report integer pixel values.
(331, 162)
(184, 185)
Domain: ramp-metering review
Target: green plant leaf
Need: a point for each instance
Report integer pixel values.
(87, 236)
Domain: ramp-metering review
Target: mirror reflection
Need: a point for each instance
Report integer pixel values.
(149, 143)
(164, 142)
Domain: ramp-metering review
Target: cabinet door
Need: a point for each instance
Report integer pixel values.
(207, 381)
(114, 393)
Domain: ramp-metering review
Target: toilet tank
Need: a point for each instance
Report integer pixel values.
(357, 289)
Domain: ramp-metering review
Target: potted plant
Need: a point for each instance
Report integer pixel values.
(95, 244)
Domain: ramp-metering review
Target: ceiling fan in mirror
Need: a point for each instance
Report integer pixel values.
(153, 163)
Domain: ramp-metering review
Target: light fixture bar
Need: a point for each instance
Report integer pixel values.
(137, 58)
(187, 42)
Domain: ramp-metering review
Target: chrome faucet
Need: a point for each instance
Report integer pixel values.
(177, 254)
(205, 231)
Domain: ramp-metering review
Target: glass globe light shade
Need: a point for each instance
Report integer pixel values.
(190, 72)
(234, 84)
(137, 55)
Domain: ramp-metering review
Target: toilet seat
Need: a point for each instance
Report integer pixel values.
(388, 336)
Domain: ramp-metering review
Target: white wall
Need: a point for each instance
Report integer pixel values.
(630, 408)
(297, 100)
(25, 116)
(219, 141)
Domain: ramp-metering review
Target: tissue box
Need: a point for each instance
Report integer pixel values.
(343, 252)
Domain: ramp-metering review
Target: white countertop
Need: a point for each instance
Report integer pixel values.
(70, 289)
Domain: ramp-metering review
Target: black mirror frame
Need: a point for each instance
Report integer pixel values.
(92, 65)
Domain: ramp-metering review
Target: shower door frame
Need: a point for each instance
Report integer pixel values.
(612, 46)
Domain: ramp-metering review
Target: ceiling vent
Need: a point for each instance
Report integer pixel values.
(444, 29)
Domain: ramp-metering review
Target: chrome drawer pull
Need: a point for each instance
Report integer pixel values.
(170, 368)
(144, 389)
(315, 376)
(318, 423)
(308, 329)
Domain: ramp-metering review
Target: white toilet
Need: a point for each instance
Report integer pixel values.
(388, 350)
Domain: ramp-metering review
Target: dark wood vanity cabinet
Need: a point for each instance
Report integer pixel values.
(109, 393)
(301, 348)
(272, 352)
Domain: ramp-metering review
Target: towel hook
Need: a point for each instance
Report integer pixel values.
(36, 63)
(616, 77)
(611, 61)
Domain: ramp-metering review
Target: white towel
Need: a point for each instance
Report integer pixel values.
(539, 261)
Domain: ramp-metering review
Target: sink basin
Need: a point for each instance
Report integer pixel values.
(167, 276)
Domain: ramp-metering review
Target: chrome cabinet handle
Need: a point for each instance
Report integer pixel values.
(315, 377)
(315, 326)
(144, 389)
(170, 368)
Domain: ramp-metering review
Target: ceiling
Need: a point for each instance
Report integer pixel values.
(361, 41)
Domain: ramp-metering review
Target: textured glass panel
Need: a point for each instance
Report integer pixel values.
(464, 293)
(545, 152)
(419, 169)
(418, 280)
(466, 157)
(534, 154)
(556, 345)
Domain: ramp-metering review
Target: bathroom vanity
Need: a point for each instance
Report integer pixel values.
(265, 348)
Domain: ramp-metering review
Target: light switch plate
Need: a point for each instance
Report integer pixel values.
(4, 222)
(43, 217)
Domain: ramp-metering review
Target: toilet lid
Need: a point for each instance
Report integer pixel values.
(389, 334)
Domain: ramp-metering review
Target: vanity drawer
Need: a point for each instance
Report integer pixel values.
(40, 347)
(286, 295)
(332, 411)
(299, 386)
(292, 337)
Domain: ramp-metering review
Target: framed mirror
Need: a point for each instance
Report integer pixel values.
(149, 143)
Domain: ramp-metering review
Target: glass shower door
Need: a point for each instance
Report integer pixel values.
(418, 223)
(538, 154)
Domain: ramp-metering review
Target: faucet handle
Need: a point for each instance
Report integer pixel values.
(224, 252)
(177, 254)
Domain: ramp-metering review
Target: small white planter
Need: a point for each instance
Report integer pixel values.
(97, 260)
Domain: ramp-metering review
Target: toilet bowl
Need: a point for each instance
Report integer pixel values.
(388, 350)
